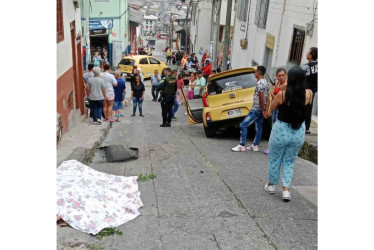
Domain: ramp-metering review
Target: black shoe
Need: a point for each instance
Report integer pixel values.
(168, 124)
(142, 115)
(174, 118)
(163, 125)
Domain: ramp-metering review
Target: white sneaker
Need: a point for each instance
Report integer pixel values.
(99, 121)
(253, 148)
(238, 148)
(286, 195)
(94, 123)
(269, 188)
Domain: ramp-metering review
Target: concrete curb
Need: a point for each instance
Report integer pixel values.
(309, 151)
(85, 154)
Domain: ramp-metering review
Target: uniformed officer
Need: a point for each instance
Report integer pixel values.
(169, 88)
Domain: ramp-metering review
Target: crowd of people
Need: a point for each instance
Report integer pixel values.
(289, 104)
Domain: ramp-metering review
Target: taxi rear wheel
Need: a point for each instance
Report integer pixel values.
(210, 132)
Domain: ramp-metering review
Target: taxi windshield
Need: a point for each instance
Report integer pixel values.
(232, 82)
(127, 61)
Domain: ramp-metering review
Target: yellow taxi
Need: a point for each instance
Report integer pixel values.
(228, 98)
(148, 65)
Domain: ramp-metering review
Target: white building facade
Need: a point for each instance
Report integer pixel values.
(275, 33)
(149, 25)
(201, 19)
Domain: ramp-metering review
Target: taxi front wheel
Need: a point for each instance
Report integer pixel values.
(210, 132)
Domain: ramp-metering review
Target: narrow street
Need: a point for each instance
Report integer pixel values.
(204, 195)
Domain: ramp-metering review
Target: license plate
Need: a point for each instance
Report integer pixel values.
(234, 112)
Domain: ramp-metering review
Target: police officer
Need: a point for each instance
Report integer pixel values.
(311, 79)
(169, 88)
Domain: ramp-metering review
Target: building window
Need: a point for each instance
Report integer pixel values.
(242, 10)
(262, 7)
(60, 22)
(102, 1)
(297, 46)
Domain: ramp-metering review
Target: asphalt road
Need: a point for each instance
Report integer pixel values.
(204, 196)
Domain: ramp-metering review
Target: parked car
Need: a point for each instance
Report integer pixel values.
(226, 102)
(148, 65)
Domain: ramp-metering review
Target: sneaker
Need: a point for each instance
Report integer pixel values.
(238, 148)
(174, 118)
(269, 188)
(185, 113)
(141, 115)
(122, 115)
(266, 151)
(99, 121)
(94, 123)
(110, 120)
(163, 125)
(253, 148)
(133, 115)
(287, 195)
(116, 115)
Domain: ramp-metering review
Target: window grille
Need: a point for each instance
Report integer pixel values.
(297, 45)
(262, 7)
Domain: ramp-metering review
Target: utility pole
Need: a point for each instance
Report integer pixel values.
(227, 35)
(216, 33)
(211, 50)
(87, 30)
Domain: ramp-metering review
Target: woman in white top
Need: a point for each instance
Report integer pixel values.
(109, 81)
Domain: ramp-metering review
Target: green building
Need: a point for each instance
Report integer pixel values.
(108, 27)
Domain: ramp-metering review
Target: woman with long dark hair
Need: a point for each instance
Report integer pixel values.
(288, 133)
(137, 95)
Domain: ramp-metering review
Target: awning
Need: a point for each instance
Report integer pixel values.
(178, 29)
(136, 16)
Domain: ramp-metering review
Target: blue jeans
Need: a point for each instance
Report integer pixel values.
(136, 101)
(254, 116)
(275, 116)
(284, 146)
(96, 109)
(175, 107)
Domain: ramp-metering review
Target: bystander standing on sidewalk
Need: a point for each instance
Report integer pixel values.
(96, 93)
(155, 81)
(288, 133)
(311, 74)
(137, 96)
(200, 85)
(119, 91)
(256, 114)
(168, 87)
(281, 85)
(109, 81)
(178, 98)
(87, 75)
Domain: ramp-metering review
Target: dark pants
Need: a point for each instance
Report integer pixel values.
(167, 106)
(168, 59)
(155, 92)
(308, 114)
(197, 97)
(96, 109)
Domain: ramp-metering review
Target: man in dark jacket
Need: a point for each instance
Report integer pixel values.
(169, 88)
(311, 80)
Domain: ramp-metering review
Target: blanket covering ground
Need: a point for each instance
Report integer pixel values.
(90, 201)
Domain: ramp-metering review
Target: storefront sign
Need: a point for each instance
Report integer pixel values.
(101, 24)
(270, 40)
(97, 32)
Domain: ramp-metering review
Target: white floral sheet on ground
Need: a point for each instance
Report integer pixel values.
(90, 201)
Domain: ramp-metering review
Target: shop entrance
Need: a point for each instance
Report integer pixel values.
(98, 42)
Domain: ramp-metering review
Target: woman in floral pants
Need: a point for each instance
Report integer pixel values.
(288, 133)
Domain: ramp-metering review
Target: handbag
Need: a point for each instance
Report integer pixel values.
(86, 103)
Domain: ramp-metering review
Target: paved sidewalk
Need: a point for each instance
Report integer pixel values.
(81, 141)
